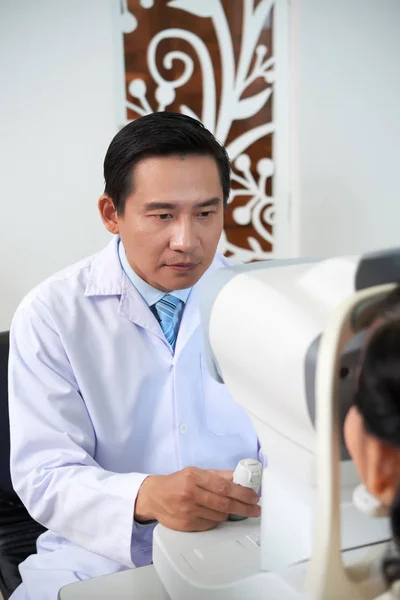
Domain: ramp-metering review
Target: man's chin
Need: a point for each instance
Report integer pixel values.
(181, 278)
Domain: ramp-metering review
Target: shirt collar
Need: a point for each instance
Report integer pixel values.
(149, 294)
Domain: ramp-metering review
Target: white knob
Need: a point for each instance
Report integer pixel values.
(248, 473)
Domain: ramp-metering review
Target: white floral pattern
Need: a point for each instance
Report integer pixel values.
(252, 64)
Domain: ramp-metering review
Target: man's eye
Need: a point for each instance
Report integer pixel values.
(206, 213)
(164, 217)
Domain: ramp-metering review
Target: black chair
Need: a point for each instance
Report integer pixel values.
(18, 531)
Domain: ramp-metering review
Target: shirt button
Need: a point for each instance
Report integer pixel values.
(183, 428)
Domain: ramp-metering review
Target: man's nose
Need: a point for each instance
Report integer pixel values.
(184, 238)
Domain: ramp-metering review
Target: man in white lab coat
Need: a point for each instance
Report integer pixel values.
(115, 422)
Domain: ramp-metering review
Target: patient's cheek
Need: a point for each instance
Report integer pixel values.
(348, 431)
(353, 435)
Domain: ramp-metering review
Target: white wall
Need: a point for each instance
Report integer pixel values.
(57, 117)
(346, 64)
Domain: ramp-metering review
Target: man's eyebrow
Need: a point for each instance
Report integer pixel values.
(171, 206)
(211, 202)
(159, 206)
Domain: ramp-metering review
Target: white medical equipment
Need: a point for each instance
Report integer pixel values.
(284, 336)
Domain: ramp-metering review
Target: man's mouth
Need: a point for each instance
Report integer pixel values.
(183, 266)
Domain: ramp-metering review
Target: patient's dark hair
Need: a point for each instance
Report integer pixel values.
(378, 400)
(158, 134)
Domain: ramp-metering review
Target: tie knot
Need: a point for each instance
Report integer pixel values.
(169, 301)
(168, 310)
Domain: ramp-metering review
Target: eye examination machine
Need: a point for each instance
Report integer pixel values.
(285, 337)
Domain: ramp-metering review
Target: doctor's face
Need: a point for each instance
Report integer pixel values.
(172, 221)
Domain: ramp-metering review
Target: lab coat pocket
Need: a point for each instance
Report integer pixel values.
(222, 414)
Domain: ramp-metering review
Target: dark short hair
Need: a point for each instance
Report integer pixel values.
(378, 400)
(158, 134)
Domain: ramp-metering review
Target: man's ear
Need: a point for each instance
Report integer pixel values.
(108, 213)
(382, 470)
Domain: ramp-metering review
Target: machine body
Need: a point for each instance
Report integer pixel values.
(290, 360)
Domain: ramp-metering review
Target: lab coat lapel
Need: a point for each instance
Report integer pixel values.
(133, 307)
(191, 315)
(189, 323)
(107, 278)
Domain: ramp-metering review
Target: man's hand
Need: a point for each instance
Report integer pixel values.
(194, 499)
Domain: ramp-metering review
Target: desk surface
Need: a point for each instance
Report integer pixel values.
(136, 584)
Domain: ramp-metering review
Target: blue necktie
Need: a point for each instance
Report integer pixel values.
(169, 309)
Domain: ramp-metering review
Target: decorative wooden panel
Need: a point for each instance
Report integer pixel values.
(213, 59)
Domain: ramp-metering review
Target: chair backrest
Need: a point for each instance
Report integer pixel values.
(5, 477)
(18, 531)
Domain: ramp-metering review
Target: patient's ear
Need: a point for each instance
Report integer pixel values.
(382, 470)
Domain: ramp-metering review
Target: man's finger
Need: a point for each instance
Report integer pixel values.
(225, 474)
(211, 515)
(243, 494)
(225, 504)
(221, 486)
(212, 481)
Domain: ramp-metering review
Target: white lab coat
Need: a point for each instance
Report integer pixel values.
(98, 401)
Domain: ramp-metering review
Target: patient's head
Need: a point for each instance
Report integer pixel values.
(372, 427)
